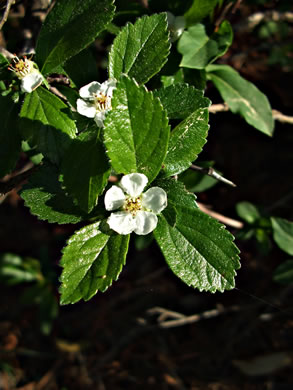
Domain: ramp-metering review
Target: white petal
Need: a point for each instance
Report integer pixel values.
(86, 108)
(111, 87)
(146, 222)
(89, 90)
(122, 222)
(100, 117)
(134, 183)
(31, 81)
(114, 198)
(154, 199)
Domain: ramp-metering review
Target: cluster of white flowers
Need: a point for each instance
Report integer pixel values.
(96, 100)
(27, 71)
(137, 210)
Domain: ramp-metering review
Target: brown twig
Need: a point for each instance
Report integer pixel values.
(178, 319)
(277, 115)
(211, 172)
(221, 218)
(15, 179)
(9, 3)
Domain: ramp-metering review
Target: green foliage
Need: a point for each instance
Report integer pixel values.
(198, 249)
(242, 97)
(140, 50)
(85, 169)
(248, 212)
(199, 49)
(283, 234)
(199, 10)
(10, 140)
(69, 28)
(46, 199)
(82, 68)
(136, 130)
(284, 273)
(91, 261)
(15, 269)
(186, 142)
(181, 100)
(46, 123)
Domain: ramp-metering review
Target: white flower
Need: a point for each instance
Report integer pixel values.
(137, 210)
(176, 26)
(97, 100)
(27, 71)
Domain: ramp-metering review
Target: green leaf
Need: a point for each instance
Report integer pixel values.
(179, 200)
(46, 199)
(69, 28)
(136, 130)
(10, 141)
(91, 261)
(4, 72)
(15, 269)
(82, 69)
(198, 249)
(186, 142)
(140, 50)
(180, 100)
(47, 123)
(199, 49)
(178, 77)
(248, 212)
(242, 97)
(284, 273)
(283, 234)
(199, 10)
(86, 175)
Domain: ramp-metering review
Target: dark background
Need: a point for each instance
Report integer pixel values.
(115, 341)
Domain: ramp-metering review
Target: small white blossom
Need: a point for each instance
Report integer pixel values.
(27, 71)
(176, 26)
(136, 209)
(96, 100)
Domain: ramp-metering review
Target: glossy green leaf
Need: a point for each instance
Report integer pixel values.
(46, 199)
(136, 130)
(284, 273)
(198, 249)
(69, 28)
(283, 234)
(186, 142)
(85, 169)
(140, 50)
(248, 212)
(242, 97)
(47, 123)
(199, 10)
(91, 261)
(181, 100)
(10, 141)
(199, 49)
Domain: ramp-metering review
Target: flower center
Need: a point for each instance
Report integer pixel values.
(132, 205)
(102, 102)
(21, 67)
